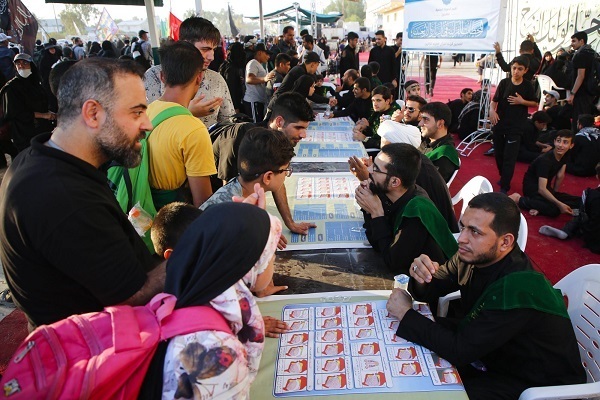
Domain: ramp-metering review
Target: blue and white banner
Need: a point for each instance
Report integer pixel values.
(455, 26)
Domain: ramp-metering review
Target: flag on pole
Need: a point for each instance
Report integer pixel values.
(23, 25)
(106, 27)
(174, 24)
(234, 30)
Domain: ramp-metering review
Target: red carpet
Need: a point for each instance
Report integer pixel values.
(13, 329)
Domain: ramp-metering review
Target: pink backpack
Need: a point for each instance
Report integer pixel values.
(101, 355)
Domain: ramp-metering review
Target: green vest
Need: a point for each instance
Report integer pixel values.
(444, 151)
(422, 208)
(522, 289)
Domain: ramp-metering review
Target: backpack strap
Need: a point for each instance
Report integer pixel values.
(185, 320)
(166, 114)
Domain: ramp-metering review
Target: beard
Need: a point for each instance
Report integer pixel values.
(481, 258)
(379, 189)
(116, 146)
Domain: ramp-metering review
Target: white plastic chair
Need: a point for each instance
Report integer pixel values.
(454, 174)
(582, 289)
(444, 302)
(475, 186)
(546, 83)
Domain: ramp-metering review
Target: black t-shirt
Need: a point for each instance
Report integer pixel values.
(65, 244)
(545, 166)
(512, 116)
(456, 106)
(583, 59)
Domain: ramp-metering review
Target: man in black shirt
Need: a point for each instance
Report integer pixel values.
(508, 114)
(583, 60)
(531, 147)
(457, 105)
(386, 57)
(65, 245)
(514, 332)
(540, 195)
(400, 66)
(560, 116)
(400, 220)
(348, 79)
(529, 50)
(361, 107)
(586, 148)
(349, 56)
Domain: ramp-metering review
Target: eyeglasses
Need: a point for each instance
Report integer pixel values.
(411, 109)
(288, 172)
(377, 169)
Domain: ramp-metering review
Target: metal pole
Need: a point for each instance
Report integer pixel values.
(152, 29)
(198, 7)
(262, 24)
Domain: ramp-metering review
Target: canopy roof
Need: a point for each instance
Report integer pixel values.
(289, 14)
(157, 3)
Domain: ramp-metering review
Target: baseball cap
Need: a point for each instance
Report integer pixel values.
(311, 57)
(553, 93)
(4, 37)
(23, 56)
(141, 32)
(261, 47)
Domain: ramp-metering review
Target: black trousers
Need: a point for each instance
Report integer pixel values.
(256, 110)
(430, 78)
(582, 104)
(545, 207)
(506, 151)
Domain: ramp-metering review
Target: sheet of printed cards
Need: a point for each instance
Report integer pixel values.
(329, 141)
(343, 348)
(328, 201)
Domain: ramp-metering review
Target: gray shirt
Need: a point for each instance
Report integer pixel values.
(255, 93)
(224, 194)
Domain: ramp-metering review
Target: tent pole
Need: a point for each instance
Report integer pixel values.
(152, 29)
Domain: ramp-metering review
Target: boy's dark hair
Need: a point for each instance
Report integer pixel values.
(181, 62)
(565, 133)
(263, 150)
(363, 83)
(580, 35)
(465, 90)
(352, 35)
(287, 28)
(170, 223)
(196, 29)
(282, 58)
(541, 116)
(521, 60)
(417, 99)
(374, 65)
(526, 46)
(380, 32)
(57, 72)
(318, 77)
(398, 35)
(366, 71)
(405, 162)
(293, 107)
(439, 111)
(390, 86)
(308, 39)
(585, 120)
(303, 32)
(383, 91)
(507, 217)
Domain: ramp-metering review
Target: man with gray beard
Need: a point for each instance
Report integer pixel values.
(65, 245)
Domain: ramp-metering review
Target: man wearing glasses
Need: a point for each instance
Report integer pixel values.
(400, 220)
(289, 119)
(412, 111)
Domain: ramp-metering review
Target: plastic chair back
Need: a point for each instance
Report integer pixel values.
(523, 232)
(475, 186)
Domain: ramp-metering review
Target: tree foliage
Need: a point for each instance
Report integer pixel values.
(221, 20)
(352, 10)
(79, 15)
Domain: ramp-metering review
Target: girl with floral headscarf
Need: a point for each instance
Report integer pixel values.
(225, 254)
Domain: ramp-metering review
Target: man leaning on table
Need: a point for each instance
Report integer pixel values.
(515, 332)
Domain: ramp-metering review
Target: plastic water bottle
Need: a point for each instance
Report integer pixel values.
(327, 111)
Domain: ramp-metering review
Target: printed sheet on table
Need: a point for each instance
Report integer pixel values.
(328, 201)
(343, 348)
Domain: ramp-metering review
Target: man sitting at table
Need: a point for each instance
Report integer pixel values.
(400, 220)
(515, 332)
(361, 107)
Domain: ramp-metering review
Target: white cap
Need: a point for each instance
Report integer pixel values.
(553, 93)
(4, 37)
(396, 132)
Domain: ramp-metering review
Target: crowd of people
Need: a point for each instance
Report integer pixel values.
(223, 133)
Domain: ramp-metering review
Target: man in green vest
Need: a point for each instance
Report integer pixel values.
(439, 147)
(513, 331)
(400, 220)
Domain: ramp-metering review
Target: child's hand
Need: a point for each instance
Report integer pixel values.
(274, 327)
(515, 100)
